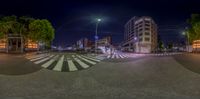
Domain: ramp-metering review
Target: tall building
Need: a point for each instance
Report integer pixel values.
(82, 43)
(140, 35)
(104, 41)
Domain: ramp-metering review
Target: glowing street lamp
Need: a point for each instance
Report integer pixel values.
(98, 20)
(135, 38)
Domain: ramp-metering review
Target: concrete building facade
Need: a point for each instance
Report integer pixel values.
(140, 35)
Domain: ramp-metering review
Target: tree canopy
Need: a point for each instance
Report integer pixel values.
(40, 30)
(7, 24)
(1, 35)
(193, 32)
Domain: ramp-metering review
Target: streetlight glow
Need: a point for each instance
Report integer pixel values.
(135, 38)
(183, 33)
(98, 20)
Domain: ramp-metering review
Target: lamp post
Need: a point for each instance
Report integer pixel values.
(96, 36)
(135, 41)
(187, 41)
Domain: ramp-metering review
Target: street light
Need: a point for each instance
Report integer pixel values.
(135, 40)
(96, 36)
(185, 33)
(98, 20)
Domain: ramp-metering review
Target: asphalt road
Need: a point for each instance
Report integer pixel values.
(16, 64)
(166, 77)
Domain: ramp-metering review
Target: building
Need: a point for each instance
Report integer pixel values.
(196, 46)
(14, 43)
(140, 35)
(106, 41)
(2, 45)
(84, 43)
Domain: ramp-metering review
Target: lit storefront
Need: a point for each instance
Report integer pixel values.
(196, 45)
(31, 45)
(15, 44)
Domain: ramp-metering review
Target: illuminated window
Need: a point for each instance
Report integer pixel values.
(196, 44)
(2, 43)
(32, 45)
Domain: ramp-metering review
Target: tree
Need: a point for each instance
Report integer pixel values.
(41, 31)
(194, 30)
(29, 28)
(7, 24)
(160, 45)
(170, 45)
(24, 25)
(1, 35)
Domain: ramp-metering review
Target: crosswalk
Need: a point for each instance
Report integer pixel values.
(166, 54)
(63, 63)
(116, 56)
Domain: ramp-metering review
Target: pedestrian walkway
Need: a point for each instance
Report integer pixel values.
(112, 56)
(116, 56)
(166, 54)
(63, 63)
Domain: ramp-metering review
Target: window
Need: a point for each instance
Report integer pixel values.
(147, 24)
(147, 33)
(147, 21)
(147, 28)
(147, 39)
(140, 25)
(140, 39)
(140, 34)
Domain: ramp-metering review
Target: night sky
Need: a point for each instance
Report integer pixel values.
(75, 19)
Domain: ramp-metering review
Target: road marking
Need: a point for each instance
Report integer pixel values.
(91, 58)
(91, 62)
(80, 62)
(59, 64)
(113, 56)
(124, 56)
(71, 65)
(39, 58)
(45, 59)
(56, 62)
(34, 56)
(109, 56)
(47, 64)
(117, 56)
(121, 56)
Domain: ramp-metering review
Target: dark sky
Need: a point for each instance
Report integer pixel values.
(76, 18)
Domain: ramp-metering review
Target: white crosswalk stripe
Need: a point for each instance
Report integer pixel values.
(109, 56)
(71, 65)
(47, 64)
(59, 64)
(97, 60)
(165, 54)
(116, 56)
(34, 56)
(43, 60)
(39, 58)
(82, 64)
(113, 56)
(91, 62)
